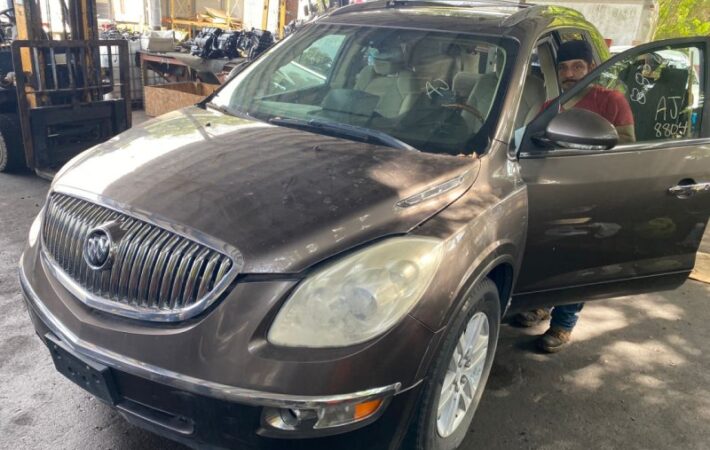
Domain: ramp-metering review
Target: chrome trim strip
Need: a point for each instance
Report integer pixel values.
(432, 192)
(148, 312)
(185, 382)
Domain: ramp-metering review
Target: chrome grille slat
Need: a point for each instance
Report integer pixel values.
(156, 273)
(62, 256)
(76, 237)
(169, 274)
(194, 277)
(62, 231)
(54, 230)
(178, 292)
(120, 254)
(141, 231)
(139, 264)
(148, 266)
(207, 274)
(224, 267)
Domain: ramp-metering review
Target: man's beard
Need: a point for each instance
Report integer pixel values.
(569, 84)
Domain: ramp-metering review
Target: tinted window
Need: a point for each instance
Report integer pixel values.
(663, 90)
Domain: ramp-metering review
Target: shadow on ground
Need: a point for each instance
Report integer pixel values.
(636, 376)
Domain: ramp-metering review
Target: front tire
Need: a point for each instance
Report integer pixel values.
(460, 371)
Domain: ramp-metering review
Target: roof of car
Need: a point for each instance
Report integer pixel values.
(488, 16)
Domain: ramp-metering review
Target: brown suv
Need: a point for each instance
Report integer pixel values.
(323, 250)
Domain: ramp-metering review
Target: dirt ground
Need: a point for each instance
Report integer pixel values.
(636, 377)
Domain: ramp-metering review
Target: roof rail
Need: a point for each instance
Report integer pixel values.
(381, 4)
(534, 10)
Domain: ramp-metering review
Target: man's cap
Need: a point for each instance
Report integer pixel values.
(577, 49)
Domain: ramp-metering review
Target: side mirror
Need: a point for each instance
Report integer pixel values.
(581, 129)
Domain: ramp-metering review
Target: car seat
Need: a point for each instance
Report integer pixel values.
(388, 79)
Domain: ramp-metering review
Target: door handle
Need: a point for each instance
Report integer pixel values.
(688, 190)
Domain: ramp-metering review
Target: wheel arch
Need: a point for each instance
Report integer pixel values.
(499, 266)
(502, 276)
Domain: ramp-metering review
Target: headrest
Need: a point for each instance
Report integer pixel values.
(389, 61)
(464, 83)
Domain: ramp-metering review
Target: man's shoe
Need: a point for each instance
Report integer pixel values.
(529, 319)
(554, 339)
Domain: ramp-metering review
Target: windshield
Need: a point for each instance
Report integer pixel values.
(434, 91)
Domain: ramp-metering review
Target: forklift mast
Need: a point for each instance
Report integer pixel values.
(72, 88)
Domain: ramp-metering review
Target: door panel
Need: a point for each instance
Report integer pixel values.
(605, 219)
(598, 217)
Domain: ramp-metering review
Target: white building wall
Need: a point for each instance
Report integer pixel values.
(625, 22)
(253, 11)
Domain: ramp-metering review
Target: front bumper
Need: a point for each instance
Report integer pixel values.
(198, 411)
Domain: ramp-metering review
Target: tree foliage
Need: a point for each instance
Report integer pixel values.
(679, 18)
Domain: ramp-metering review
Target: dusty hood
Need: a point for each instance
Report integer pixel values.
(285, 198)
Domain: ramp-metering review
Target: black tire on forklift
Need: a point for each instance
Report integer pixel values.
(12, 155)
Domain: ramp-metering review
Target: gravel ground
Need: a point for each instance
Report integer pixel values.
(636, 376)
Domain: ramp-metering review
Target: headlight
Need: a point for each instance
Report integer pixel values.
(358, 297)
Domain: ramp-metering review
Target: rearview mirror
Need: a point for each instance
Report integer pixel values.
(582, 130)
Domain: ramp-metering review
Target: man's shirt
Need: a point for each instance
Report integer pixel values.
(608, 103)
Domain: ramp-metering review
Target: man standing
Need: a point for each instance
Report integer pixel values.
(574, 61)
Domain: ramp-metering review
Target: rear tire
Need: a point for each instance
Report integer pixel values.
(460, 371)
(12, 155)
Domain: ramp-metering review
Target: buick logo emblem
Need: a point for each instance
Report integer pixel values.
(99, 249)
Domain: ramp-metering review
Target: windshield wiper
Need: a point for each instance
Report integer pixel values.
(336, 129)
(227, 111)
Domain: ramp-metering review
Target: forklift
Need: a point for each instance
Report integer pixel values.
(62, 90)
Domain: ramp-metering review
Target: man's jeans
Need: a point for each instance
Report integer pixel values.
(566, 316)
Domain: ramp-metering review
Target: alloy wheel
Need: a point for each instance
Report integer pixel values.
(463, 375)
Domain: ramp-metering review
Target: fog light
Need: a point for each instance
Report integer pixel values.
(344, 414)
(290, 418)
(329, 416)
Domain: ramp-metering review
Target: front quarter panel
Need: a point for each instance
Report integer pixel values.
(482, 229)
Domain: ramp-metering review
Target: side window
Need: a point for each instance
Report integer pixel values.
(308, 69)
(320, 56)
(540, 84)
(652, 96)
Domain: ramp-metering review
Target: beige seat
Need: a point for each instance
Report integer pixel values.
(532, 100)
(480, 98)
(388, 79)
(431, 61)
(464, 83)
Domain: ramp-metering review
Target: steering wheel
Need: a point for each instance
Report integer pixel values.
(467, 108)
(438, 87)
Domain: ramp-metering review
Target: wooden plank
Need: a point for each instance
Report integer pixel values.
(161, 99)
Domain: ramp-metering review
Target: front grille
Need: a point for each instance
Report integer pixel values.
(156, 274)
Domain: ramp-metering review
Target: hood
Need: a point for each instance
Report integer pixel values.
(285, 198)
